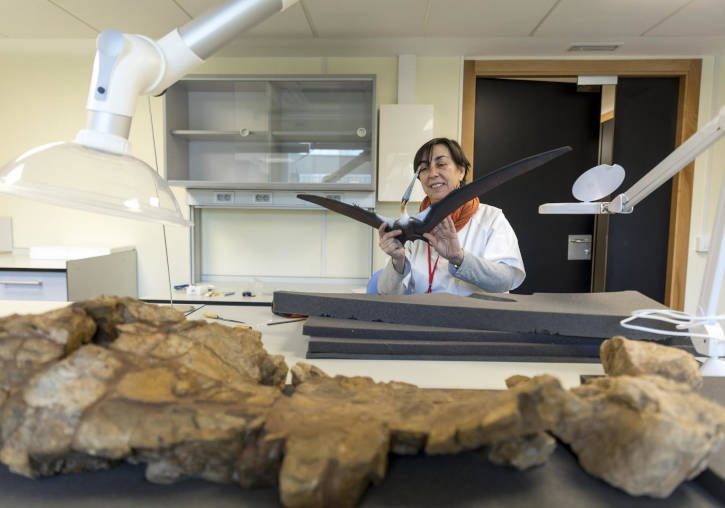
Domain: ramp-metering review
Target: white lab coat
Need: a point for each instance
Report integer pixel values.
(487, 235)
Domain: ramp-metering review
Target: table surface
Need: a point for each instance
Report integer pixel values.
(456, 481)
(262, 292)
(287, 340)
(463, 480)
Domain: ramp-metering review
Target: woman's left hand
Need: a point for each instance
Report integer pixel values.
(444, 239)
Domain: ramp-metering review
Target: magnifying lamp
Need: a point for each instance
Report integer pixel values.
(705, 329)
(96, 171)
(598, 182)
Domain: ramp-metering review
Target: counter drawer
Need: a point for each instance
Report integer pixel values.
(33, 285)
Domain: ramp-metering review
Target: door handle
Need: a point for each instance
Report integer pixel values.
(22, 282)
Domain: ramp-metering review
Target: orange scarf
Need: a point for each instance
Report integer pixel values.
(460, 215)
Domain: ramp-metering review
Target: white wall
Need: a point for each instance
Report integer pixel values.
(707, 185)
(42, 99)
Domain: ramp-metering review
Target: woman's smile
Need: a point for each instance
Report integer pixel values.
(441, 175)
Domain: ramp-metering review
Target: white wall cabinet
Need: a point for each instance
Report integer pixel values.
(301, 133)
(245, 146)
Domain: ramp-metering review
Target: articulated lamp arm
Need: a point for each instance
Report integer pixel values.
(127, 66)
(666, 169)
(670, 165)
(705, 328)
(96, 172)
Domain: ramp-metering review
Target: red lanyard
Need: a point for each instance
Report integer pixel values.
(432, 272)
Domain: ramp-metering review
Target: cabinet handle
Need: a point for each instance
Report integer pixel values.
(22, 282)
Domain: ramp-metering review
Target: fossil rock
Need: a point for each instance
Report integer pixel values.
(30, 342)
(228, 355)
(110, 311)
(621, 356)
(98, 406)
(516, 379)
(643, 434)
(182, 396)
(113, 379)
(338, 430)
(521, 452)
(302, 371)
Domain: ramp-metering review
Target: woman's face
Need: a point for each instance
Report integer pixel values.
(442, 175)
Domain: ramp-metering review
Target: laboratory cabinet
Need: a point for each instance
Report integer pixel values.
(26, 278)
(295, 133)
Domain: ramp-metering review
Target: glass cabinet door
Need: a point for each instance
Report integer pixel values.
(306, 132)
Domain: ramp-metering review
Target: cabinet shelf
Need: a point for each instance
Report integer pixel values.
(301, 136)
(272, 131)
(209, 135)
(257, 137)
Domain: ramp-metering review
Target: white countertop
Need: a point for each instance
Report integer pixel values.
(262, 292)
(287, 339)
(19, 259)
(12, 261)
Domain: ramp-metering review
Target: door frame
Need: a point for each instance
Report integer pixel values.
(687, 70)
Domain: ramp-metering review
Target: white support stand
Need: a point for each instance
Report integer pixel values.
(712, 344)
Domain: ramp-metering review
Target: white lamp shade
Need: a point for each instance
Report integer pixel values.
(598, 182)
(76, 176)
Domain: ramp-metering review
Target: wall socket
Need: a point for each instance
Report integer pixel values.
(224, 197)
(702, 243)
(579, 247)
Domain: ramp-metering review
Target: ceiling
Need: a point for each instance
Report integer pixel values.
(473, 28)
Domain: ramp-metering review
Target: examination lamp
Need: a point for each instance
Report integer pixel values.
(704, 329)
(96, 171)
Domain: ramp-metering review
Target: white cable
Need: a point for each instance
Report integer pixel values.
(681, 320)
(163, 226)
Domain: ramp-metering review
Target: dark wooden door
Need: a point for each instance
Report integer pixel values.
(515, 119)
(644, 133)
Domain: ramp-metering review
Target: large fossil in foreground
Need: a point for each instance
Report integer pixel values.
(109, 379)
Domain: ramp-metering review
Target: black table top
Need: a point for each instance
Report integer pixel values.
(463, 480)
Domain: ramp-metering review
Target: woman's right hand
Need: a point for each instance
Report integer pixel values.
(390, 245)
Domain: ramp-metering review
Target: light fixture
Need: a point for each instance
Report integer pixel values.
(96, 171)
(77, 176)
(594, 47)
(705, 329)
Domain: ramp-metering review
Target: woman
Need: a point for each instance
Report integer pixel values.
(473, 249)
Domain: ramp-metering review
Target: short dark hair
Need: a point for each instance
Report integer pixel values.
(424, 152)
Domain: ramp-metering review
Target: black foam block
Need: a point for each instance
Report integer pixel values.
(444, 350)
(452, 358)
(569, 314)
(450, 348)
(356, 329)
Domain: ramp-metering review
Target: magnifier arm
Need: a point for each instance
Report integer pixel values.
(666, 169)
(620, 204)
(678, 159)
